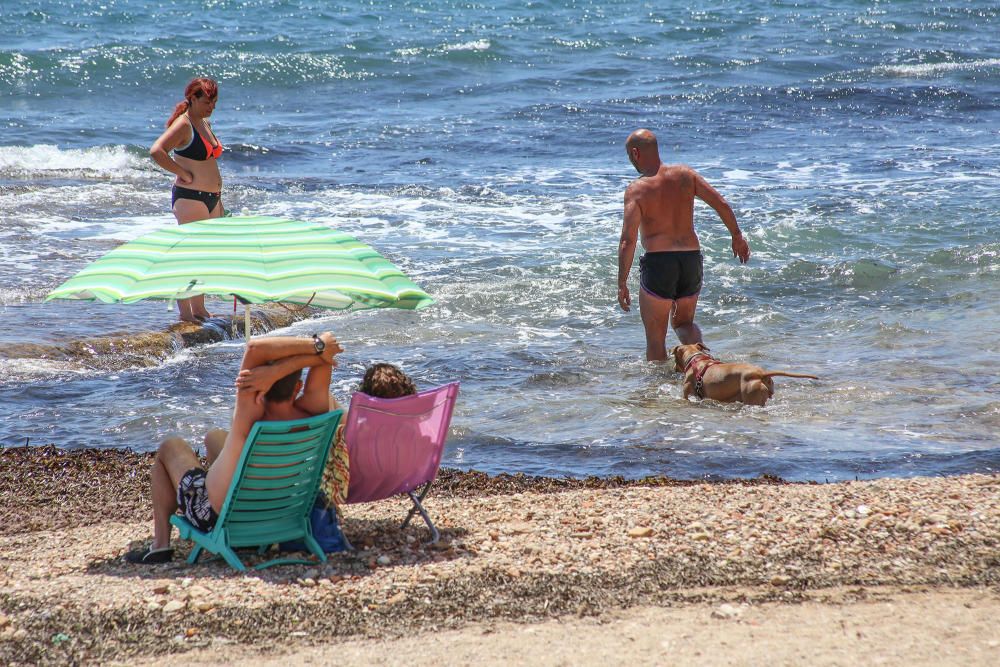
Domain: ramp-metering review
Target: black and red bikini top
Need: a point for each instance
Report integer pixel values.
(199, 148)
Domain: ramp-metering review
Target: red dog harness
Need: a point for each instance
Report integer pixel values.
(706, 361)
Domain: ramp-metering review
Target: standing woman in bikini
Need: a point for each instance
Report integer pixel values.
(197, 192)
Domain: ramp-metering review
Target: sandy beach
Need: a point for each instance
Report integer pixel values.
(529, 571)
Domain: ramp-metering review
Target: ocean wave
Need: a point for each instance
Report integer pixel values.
(578, 44)
(865, 274)
(106, 67)
(985, 257)
(61, 208)
(250, 149)
(848, 93)
(98, 162)
(283, 69)
(19, 371)
(474, 45)
(469, 47)
(803, 276)
(23, 294)
(935, 69)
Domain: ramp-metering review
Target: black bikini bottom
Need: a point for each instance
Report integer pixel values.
(209, 199)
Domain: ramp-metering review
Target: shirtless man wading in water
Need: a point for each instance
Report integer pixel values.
(659, 208)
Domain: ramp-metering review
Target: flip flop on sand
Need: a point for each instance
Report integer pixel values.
(150, 556)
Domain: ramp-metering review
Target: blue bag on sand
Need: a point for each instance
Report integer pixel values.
(325, 528)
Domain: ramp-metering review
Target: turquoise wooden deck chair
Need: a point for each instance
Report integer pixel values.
(272, 493)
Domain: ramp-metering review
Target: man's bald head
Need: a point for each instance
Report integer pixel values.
(643, 152)
(642, 139)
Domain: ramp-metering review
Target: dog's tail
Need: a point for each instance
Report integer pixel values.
(771, 374)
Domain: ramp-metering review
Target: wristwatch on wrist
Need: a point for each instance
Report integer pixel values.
(318, 344)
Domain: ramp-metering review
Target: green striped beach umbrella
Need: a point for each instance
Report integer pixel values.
(259, 259)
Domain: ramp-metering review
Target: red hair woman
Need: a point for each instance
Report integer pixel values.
(197, 192)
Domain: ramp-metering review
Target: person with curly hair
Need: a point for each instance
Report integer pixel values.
(381, 380)
(386, 381)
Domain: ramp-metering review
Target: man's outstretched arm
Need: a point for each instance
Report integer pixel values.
(626, 247)
(711, 196)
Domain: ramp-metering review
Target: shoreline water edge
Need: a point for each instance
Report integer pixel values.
(663, 558)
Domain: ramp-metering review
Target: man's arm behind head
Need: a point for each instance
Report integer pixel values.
(262, 351)
(316, 398)
(268, 360)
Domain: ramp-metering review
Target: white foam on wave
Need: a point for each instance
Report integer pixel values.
(933, 69)
(132, 227)
(577, 43)
(93, 211)
(75, 203)
(797, 173)
(574, 178)
(96, 162)
(298, 67)
(508, 223)
(407, 52)
(43, 223)
(475, 45)
(933, 170)
(738, 175)
(17, 294)
(22, 370)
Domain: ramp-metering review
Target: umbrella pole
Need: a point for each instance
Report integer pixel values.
(246, 322)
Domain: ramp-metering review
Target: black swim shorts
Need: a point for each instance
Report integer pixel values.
(673, 274)
(192, 500)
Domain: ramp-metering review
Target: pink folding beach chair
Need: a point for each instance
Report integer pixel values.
(395, 446)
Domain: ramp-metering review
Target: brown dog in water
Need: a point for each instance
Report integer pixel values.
(707, 377)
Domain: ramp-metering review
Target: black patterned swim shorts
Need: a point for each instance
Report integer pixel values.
(192, 500)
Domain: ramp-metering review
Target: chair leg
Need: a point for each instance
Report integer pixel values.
(413, 510)
(230, 556)
(417, 507)
(314, 548)
(347, 542)
(193, 558)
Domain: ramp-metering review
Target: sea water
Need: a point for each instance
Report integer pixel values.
(479, 146)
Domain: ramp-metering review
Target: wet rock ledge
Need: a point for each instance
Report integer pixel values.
(149, 348)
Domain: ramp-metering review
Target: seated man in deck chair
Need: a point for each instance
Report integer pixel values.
(180, 484)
